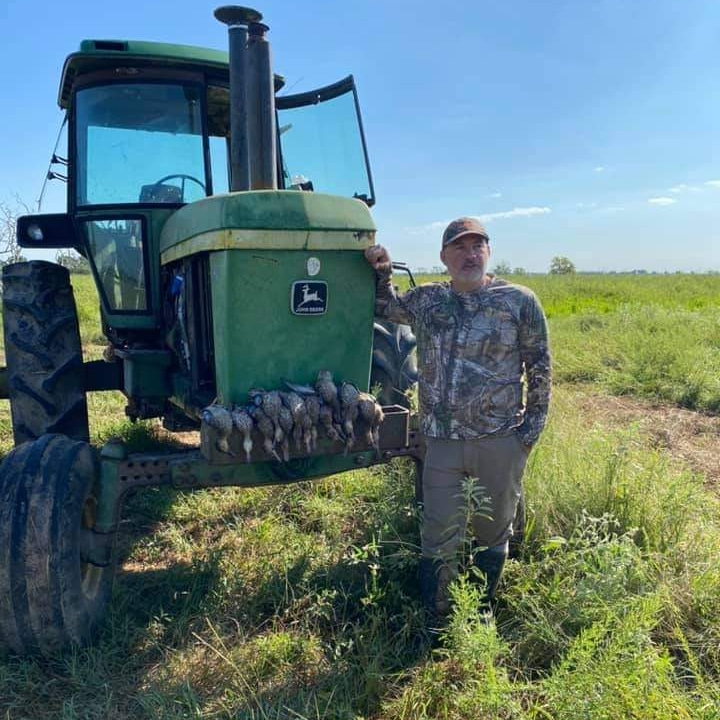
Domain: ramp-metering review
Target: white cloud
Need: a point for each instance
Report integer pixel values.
(677, 189)
(662, 201)
(515, 212)
(495, 195)
(440, 225)
(600, 168)
(713, 183)
(425, 229)
(437, 225)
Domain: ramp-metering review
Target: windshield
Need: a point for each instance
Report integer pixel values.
(322, 144)
(139, 142)
(143, 142)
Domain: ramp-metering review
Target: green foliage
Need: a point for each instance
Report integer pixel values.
(570, 586)
(502, 268)
(88, 307)
(600, 294)
(74, 262)
(470, 677)
(614, 669)
(301, 601)
(581, 294)
(650, 351)
(561, 265)
(613, 472)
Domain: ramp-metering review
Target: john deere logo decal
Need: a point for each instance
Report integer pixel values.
(308, 297)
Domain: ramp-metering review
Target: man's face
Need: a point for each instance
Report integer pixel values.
(466, 260)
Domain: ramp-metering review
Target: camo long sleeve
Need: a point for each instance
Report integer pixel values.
(390, 305)
(535, 356)
(473, 350)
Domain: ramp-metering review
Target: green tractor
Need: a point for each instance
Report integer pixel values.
(225, 227)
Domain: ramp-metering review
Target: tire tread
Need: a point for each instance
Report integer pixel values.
(46, 382)
(43, 609)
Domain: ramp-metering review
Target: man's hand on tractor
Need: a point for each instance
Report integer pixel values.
(379, 258)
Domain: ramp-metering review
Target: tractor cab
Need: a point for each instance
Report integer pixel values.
(149, 131)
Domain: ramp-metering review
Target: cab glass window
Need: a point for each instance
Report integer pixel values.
(116, 252)
(139, 143)
(322, 146)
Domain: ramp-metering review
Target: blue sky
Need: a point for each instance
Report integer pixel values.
(585, 128)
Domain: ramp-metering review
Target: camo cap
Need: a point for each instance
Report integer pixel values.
(461, 227)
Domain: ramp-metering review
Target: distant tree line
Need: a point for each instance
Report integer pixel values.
(559, 265)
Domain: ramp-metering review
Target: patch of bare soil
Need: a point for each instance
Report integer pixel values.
(691, 437)
(183, 440)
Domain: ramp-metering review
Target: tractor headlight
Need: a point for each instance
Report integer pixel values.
(35, 233)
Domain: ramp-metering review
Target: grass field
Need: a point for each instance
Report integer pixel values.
(301, 601)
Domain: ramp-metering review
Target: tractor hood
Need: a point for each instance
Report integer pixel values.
(267, 219)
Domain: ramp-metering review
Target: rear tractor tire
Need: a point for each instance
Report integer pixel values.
(51, 595)
(394, 363)
(43, 353)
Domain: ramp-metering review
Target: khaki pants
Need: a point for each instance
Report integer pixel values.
(496, 464)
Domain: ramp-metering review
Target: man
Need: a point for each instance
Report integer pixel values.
(477, 336)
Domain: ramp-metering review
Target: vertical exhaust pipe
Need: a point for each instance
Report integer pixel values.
(253, 153)
(261, 110)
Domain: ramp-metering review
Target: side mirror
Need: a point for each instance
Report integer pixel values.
(56, 230)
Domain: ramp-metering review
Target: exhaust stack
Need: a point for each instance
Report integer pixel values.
(253, 152)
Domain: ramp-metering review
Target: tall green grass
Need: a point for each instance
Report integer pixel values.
(648, 351)
(302, 601)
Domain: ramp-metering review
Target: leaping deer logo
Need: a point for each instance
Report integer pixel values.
(308, 296)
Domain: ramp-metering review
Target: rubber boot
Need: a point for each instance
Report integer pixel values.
(434, 581)
(491, 562)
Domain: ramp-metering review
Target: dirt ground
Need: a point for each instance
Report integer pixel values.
(688, 436)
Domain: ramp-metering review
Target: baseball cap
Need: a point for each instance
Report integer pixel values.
(461, 227)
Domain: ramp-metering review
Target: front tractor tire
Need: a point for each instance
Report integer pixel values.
(394, 363)
(51, 596)
(43, 353)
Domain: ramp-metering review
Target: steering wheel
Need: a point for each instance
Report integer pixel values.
(182, 177)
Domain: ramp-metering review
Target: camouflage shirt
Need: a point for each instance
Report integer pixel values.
(473, 350)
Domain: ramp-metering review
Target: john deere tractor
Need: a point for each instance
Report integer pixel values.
(225, 227)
